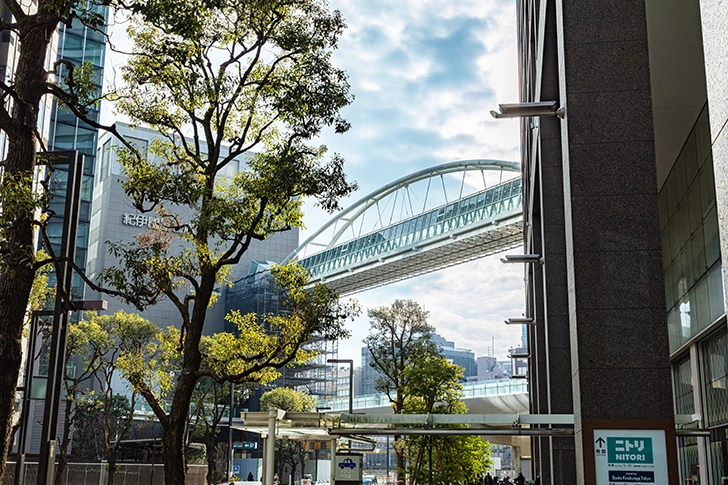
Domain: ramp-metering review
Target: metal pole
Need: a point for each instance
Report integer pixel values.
(332, 471)
(231, 453)
(351, 393)
(27, 389)
(56, 368)
(270, 447)
(387, 460)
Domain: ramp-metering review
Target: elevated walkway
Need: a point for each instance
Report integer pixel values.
(499, 396)
(350, 259)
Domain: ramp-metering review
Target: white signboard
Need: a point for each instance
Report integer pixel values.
(348, 468)
(630, 456)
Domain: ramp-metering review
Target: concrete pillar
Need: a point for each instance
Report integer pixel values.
(270, 447)
(714, 22)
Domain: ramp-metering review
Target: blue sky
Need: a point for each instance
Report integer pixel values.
(424, 75)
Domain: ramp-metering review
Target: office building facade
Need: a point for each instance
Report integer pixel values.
(627, 203)
(114, 219)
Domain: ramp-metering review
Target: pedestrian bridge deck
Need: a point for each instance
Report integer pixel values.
(498, 396)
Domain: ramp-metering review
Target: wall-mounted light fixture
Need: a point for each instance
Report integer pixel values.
(522, 258)
(519, 110)
(520, 355)
(521, 321)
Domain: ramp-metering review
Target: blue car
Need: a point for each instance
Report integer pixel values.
(347, 463)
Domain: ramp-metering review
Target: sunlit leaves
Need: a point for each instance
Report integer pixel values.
(259, 347)
(287, 399)
(432, 387)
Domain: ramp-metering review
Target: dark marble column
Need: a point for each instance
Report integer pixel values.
(616, 309)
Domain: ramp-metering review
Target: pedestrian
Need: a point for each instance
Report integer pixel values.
(250, 477)
(488, 479)
(275, 479)
(520, 479)
(538, 480)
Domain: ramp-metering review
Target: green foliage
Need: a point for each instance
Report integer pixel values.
(257, 350)
(432, 387)
(88, 437)
(399, 335)
(287, 399)
(41, 294)
(432, 384)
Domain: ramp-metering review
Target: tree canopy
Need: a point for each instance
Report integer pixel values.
(433, 387)
(287, 399)
(399, 335)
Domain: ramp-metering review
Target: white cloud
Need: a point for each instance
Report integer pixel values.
(425, 74)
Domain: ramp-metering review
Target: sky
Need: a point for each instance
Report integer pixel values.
(424, 75)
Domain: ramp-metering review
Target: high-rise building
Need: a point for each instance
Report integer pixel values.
(463, 357)
(81, 45)
(625, 182)
(61, 130)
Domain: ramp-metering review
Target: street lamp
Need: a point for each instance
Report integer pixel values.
(350, 362)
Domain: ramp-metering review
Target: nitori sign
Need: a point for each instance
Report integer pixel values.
(629, 450)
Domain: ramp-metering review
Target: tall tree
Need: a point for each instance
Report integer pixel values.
(220, 79)
(31, 25)
(398, 335)
(433, 387)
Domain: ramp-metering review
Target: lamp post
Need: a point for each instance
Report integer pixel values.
(316, 451)
(350, 362)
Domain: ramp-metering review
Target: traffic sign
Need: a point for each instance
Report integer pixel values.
(245, 445)
(348, 468)
(627, 457)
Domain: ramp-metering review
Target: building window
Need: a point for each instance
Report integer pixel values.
(715, 369)
(684, 394)
(690, 242)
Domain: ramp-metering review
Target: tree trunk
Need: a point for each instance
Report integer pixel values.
(400, 475)
(17, 248)
(211, 453)
(63, 456)
(174, 453)
(111, 460)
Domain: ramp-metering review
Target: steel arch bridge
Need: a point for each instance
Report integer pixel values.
(400, 240)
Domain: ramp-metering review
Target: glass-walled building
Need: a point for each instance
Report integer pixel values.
(695, 302)
(83, 46)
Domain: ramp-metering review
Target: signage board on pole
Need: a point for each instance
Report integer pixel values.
(630, 456)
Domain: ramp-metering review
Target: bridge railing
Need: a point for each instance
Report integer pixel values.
(495, 387)
(478, 207)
